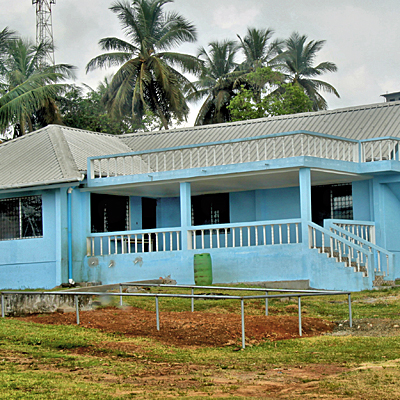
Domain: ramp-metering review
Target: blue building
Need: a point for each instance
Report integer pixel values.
(308, 196)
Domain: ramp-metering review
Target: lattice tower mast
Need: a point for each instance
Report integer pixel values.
(44, 25)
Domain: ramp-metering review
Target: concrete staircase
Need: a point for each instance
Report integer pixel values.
(379, 281)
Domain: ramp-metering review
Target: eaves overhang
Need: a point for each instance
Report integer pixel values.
(50, 184)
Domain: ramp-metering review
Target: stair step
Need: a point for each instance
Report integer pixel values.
(335, 254)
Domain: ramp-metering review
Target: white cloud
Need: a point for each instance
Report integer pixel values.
(230, 16)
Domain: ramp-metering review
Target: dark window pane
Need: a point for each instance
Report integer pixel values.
(331, 201)
(21, 218)
(31, 216)
(210, 209)
(109, 213)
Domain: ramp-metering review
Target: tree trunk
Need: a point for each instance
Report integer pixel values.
(30, 126)
(159, 111)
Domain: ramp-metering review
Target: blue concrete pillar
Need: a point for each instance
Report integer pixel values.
(186, 214)
(305, 202)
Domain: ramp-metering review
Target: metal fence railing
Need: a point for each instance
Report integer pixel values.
(283, 294)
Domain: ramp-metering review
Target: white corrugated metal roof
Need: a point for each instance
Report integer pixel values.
(59, 154)
(362, 122)
(51, 155)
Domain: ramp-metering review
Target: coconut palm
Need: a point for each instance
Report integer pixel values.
(260, 54)
(297, 63)
(258, 48)
(147, 77)
(29, 86)
(6, 38)
(217, 82)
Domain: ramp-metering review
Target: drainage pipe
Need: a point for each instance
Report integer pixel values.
(69, 222)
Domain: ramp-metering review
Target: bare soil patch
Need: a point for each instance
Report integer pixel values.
(368, 327)
(189, 328)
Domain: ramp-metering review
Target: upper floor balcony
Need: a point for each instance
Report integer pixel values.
(242, 151)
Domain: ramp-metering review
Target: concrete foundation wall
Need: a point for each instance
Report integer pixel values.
(246, 264)
(19, 304)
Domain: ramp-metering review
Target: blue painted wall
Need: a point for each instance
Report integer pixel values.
(168, 212)
(253, 205)
(242, 206)
(247, 264)
(362, 202)
(390, 220)
(33, 263)
(80, 230)
(277, 203)
(136, 212)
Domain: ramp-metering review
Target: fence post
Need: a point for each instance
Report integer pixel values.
(350, 312)
(157, 314)
(120, 297)
(243, 328)
(2, 306)
(299, 302)
(266, 304)
(192, 308)
(77, 309)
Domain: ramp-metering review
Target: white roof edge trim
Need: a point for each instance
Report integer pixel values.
(43, 183)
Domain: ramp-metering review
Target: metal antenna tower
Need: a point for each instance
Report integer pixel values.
(44, 25)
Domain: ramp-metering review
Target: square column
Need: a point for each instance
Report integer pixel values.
(186, 214)
(305, 202)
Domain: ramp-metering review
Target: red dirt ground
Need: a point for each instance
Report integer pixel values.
(187, 328)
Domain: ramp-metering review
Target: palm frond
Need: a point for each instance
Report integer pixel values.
(186, 62)
(113, 43)
(107, 60)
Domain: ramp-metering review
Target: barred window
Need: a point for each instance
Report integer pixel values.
(210, 209)
(109, 213)
(331, 201)
(341, 201)
(21, 218)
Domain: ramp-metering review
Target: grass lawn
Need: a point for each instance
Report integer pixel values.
(71, 362)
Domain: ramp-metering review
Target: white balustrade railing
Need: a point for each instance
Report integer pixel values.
(384, 260)
(224, 153)
(260, 233)
(363, 229)
(380, 149)
(353, 255)
(127, 242)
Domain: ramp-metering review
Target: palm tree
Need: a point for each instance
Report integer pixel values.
(29, 86)
(147, 78)
(258, 49)
(297, 63)
(260, 55)
(217, 82)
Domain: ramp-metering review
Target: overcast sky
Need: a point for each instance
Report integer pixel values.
(362, 36)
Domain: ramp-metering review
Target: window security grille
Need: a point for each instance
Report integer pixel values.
(109, 213)
(341, 202)
(210, 209)
(21, 218)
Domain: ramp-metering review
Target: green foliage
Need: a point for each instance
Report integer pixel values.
(258, 49)
(88, 112)
(29, 86)
(147, 78)
(217, 81)
(297, 63)
(288, 99)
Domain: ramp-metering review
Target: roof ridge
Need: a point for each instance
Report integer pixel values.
(64, 156)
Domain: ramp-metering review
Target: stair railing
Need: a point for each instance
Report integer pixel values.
(384, 260)
(344, 250)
